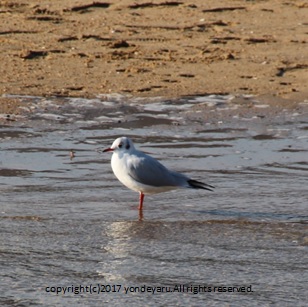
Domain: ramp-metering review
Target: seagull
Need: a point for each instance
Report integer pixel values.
(144, 174)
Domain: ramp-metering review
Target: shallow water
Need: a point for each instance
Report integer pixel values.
(69, 223)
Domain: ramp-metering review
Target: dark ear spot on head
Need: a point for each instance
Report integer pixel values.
(127, 146)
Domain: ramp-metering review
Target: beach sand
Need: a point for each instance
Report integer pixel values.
(153, 48)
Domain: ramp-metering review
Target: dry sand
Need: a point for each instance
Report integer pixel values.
(153, 48)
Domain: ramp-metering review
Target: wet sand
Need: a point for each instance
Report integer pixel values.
(153, 48)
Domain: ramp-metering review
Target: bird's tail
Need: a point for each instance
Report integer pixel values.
(200, 185)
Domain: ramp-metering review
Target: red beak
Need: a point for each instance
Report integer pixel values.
(107, 149)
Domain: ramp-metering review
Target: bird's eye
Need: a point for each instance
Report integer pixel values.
(120, 145)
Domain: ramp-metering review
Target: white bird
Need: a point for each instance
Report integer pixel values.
(144, 174)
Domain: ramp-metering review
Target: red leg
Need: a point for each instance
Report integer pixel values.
(141, 197)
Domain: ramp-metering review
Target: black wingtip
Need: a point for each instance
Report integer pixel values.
(200, 185)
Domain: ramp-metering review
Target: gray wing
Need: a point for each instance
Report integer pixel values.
(149, 171)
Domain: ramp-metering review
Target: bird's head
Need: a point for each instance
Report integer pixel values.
(122, 144)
